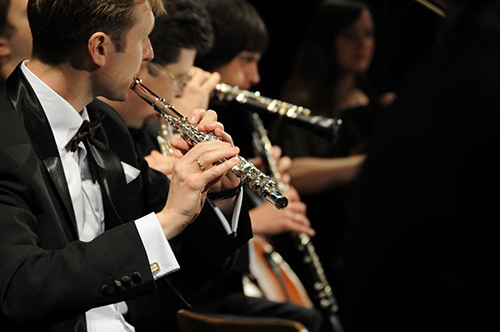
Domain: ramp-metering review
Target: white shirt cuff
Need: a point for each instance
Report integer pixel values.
(230, 228)
(160, 255)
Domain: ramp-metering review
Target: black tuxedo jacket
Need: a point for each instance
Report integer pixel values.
(48, 278)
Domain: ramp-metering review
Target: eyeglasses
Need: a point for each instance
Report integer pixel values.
(182, 78)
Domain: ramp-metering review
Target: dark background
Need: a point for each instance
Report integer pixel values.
(405, 32)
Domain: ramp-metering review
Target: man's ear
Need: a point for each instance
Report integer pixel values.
(99, 47)
(5, 49)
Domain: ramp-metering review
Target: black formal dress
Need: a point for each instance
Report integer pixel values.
(420, 249)
(48, 278)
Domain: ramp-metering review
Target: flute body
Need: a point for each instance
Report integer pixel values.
(245, 170)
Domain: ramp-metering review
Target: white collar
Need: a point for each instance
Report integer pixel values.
(63, 118)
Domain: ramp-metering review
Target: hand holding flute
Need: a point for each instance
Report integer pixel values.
(198, 172)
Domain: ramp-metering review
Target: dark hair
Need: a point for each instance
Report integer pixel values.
(60, 27)
(4, 25)
(186, 25)
(237, 27)
(315, 69)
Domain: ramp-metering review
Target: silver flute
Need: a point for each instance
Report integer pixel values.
(245, 170)
(322, 126)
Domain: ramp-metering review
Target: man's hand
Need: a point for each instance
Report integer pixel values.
(161, 163)
(207, 122)
(197, 92)
(191, 182)
(197, 172)
(267, 220)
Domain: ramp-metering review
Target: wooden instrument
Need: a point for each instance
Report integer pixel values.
(274, 277)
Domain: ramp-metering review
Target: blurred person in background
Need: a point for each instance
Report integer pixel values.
(15, 36)
(329, 77)
(421, 244)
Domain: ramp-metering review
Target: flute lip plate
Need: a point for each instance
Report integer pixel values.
(135, 82)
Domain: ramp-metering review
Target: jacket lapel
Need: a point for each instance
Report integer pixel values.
(110, 172)
(111, 176)
(26, 103)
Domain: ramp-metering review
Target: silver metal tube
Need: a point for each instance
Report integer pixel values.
(245, 170)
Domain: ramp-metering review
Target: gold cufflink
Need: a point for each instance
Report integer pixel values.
(155, 267)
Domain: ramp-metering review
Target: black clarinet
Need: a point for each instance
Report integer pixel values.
(322, 290)
(299, 116)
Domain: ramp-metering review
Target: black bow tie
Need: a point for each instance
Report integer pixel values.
(87, 129)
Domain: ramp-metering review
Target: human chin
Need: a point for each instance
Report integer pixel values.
(126, 89)
(121, 95)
